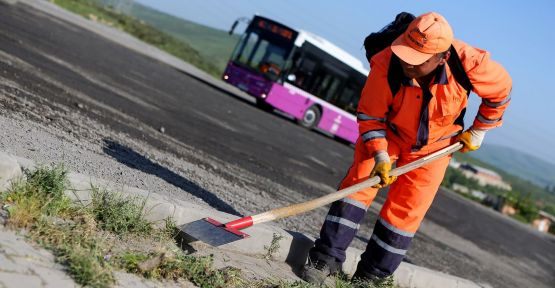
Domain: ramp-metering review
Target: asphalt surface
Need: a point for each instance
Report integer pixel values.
(232, 129)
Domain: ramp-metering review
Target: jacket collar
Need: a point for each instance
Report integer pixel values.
(440, 77)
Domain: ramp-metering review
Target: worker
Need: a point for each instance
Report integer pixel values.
(412, 104)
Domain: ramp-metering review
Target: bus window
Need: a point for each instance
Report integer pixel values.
(263, 52)
(331, 89)
(327, 84)
(348, 99)
(247, 48)
(304, 72)
(257, 55)
(268, 59)
(239, 47)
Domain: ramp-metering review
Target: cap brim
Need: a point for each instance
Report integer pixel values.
(408, 54)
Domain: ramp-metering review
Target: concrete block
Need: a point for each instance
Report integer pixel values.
(423, 277)
(158, 208)
(8, 265)
(403, 275)
(9, 170)
(351, 261)
(19, 280)
(53, 277)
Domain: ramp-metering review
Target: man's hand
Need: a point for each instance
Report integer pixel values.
(381, 169)
(471, 139)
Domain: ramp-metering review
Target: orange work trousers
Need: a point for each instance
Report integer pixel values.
(407, 202)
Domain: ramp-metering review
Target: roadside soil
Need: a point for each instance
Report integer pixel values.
(51, 134)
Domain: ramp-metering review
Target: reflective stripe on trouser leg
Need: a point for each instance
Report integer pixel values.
(340, 227)
(386, 249)
(344, 216)
(407, 203)
(342, 221)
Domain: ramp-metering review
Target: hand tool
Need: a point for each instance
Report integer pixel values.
(216, 233)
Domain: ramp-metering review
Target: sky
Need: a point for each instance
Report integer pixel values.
(518, 34)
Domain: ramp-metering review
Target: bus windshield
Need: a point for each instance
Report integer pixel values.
(264, 47)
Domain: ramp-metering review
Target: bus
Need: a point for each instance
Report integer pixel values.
(298, 73)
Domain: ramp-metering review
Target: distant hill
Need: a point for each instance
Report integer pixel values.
(517, 163)
(211, 43)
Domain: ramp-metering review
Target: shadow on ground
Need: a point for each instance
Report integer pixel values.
(132, 159)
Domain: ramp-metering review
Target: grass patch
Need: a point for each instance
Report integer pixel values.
(39, 206)
(111, 234)
(198, 270)
(93, 10)
(118, 214)
(42, 194)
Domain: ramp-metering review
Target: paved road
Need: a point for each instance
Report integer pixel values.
(122, 82)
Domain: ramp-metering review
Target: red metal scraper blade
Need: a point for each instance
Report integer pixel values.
(211, 232)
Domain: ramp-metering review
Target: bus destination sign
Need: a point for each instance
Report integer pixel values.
(276, 29)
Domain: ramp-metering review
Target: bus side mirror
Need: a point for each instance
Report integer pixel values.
(233, 27)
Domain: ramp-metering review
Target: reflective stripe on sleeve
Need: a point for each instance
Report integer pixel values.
(387, 247)
(486, 120)
(496, 104)
(373, 135)
(364, 117)
(342, 221)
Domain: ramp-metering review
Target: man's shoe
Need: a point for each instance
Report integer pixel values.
(316, 271)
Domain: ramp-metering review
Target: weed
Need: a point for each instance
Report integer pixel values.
(88, 270)
(386, 282)
(273, 248)
(77, 246)
(129, 261)
(170, 228)
(119, 214)
(41, 194)
(175, 266)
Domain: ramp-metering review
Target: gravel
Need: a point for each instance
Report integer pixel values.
(55, 134)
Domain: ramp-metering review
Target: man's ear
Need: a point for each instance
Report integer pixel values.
(445, 57)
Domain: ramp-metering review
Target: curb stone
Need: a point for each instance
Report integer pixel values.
(9, 170)
(294, 246)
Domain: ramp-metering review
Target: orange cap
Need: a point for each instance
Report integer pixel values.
(426, 36)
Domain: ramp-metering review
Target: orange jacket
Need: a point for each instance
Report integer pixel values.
(382, 116)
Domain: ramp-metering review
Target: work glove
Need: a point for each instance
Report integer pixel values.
(382, 169)
(471, 139)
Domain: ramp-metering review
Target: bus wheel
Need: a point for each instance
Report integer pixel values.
(311, 117)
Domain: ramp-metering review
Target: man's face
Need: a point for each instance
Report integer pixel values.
(422, 70)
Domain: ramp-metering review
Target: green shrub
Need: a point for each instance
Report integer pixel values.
(119, 214)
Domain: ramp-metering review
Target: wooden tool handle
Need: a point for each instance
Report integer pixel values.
(319, 202)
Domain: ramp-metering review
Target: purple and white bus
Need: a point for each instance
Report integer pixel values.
(300, 74)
